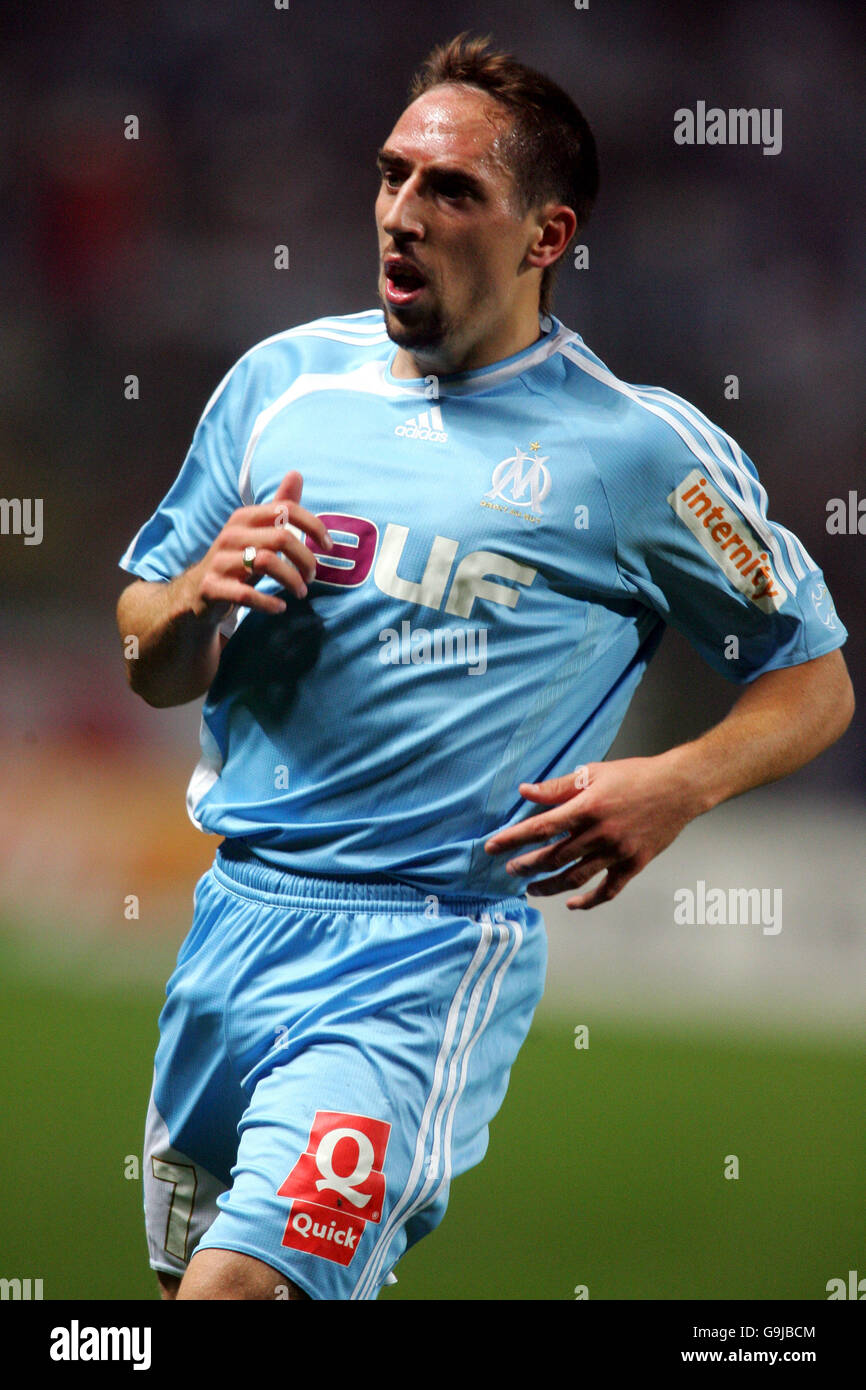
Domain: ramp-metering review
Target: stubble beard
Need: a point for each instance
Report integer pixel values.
(425, 331)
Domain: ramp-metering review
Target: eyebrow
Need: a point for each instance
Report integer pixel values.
(390, 158)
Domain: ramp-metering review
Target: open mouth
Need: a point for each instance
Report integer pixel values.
(404, 282)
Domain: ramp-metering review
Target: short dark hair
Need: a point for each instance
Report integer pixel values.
(550, 147)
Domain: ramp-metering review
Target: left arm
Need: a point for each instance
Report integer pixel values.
(620, 815)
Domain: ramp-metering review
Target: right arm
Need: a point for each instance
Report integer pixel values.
(176, 622)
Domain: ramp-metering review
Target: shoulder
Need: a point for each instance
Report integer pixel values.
(360, 330)
(331, 345)
(645, 429)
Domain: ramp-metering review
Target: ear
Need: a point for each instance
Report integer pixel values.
(553, 227)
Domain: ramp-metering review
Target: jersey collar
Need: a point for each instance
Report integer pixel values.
(485, 378)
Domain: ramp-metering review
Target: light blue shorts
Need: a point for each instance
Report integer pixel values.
(330, 1056)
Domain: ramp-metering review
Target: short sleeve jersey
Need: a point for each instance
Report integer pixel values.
(510, 544)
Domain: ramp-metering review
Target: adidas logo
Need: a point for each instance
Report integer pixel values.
(428, 425)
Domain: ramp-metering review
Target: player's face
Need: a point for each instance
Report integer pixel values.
(452, 243)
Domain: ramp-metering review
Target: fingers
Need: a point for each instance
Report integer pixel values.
(575, 876)
(613, 883)
(538, 828)
(218, 589)
(286, 575)
(591, 826)
(616, 876)
(290, 512)
(564, 851)
(287, 514)
(556, 789)
(290, 488)
(279, 554)
(281, 515)
(555, 793)
(270, 528)
(226, 565)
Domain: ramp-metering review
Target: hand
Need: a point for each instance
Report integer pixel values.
(609, 816)
(221, 579)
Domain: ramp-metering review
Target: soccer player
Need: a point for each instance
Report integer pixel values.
(417, 560)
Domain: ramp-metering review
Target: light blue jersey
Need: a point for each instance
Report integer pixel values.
(510, 545)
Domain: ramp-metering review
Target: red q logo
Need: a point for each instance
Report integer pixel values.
(337, 1185)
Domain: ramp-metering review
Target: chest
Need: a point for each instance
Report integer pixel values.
(440, 501)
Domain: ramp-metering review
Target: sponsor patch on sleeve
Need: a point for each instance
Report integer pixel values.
(728, 540)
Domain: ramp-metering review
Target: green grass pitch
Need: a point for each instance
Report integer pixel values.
(605, 1167)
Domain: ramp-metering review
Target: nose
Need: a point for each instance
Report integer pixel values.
(403, 215)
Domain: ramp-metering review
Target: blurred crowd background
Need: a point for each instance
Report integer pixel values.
(154, 257)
